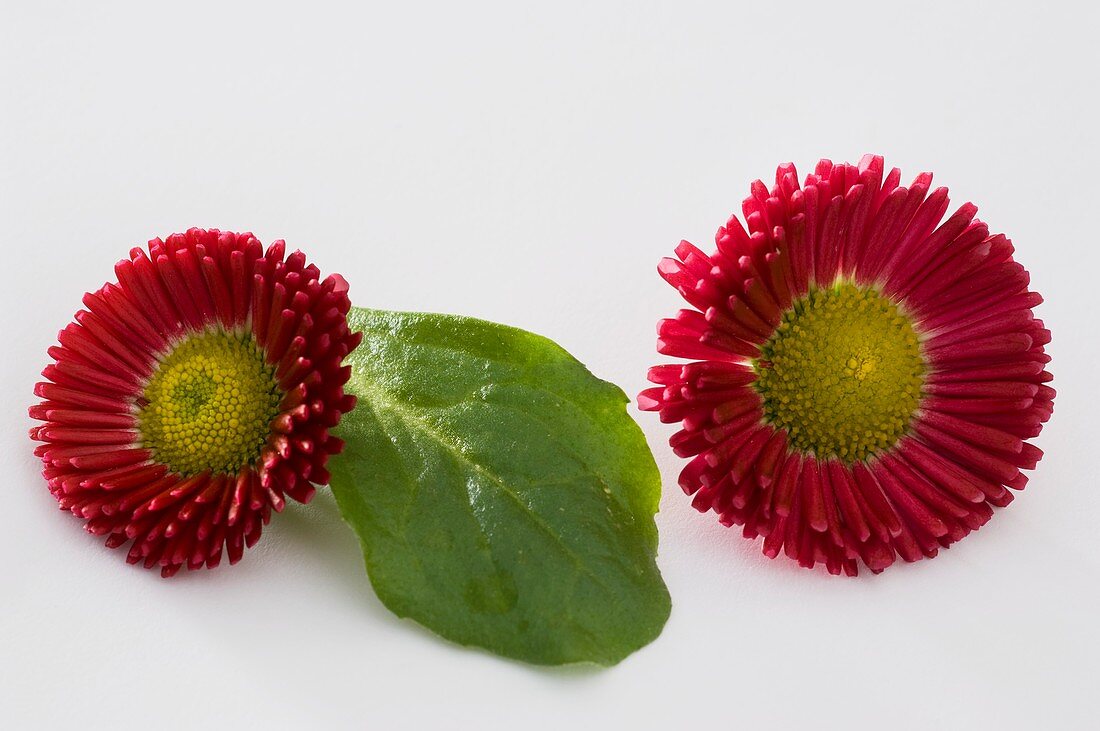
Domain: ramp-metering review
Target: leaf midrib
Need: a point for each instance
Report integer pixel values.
(377, 398)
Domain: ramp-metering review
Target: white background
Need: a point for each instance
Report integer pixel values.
(531, 166)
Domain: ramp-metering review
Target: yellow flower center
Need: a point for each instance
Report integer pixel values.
(842, 374)
(209, 404)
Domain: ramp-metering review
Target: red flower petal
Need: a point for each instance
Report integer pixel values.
(983, 390)
(201, 281)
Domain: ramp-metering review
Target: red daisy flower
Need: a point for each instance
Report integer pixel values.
(865, 378)
(191, 398)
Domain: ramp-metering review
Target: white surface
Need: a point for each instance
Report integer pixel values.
(531, 167)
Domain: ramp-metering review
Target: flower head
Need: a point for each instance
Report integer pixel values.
(865, 378)
(192, 397)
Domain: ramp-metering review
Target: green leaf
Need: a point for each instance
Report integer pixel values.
(502, 495)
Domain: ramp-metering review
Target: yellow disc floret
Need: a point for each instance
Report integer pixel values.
(842, 374)
(209, 404)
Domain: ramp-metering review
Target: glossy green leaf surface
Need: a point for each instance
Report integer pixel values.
(502, 495)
